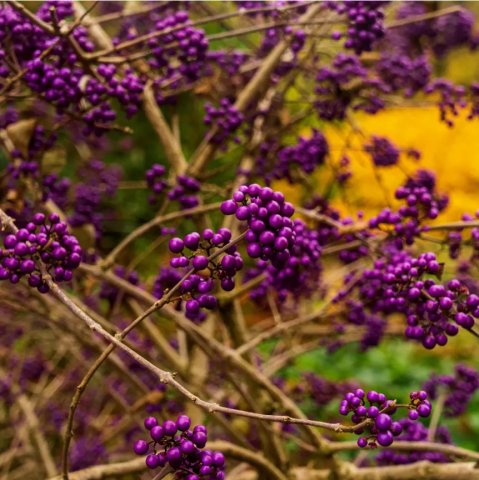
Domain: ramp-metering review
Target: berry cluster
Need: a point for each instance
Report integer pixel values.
(62, 78)
(223, 268)
(180, 53)
(376, 418)
(270, 234)
(439, 35)
(174, 444)
(346, 84)
(398, 283)
(458, 388)
(404, 74)
(167, 278)
(451, 98)
(44, 239)
(226, 119)
(306, 154)
(382, 151)
(227, 61)
(414, 432)
(422, 202)
(299, 275)
(364, 24)
(56, 188)
(185, 191)
(155, 181)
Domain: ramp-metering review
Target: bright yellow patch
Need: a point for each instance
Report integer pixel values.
(453, 153)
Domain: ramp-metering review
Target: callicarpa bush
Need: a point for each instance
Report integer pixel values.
(189, 289)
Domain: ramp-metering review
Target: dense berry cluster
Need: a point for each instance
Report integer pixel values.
(270, 235)
(180, 53)
(346, 84)
(299, 276)
(185, 192)
(223, 267)
(61, 78)
(451, 98)
(45, 239)
(399, 283)
(382, 151)
(439, 34)
(458, 389)
(365, 24)
(155, 181)
(404, 74)
(174, 444)
(422, 203)
(378, 427)
(305, 155)
(414, 432)
(226, 119)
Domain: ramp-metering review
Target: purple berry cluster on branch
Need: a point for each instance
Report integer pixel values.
(226, 119)
(305, 155)
(346, 85)
(180, 53)
(414, 432)
(458, 389)
(399, 283)
(383, 152)
(377, 424)
(298, 277)
(173, 443)
(422, 203)
(185, 190)
(270, 235)
(44, 239)
(201, 258)
(365, 24)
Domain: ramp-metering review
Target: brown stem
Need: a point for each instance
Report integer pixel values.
(138, 232)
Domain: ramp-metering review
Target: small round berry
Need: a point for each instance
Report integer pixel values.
(186, 446)
(192, 306)
(199, 439)
(373, 412)
(242, 213)
(424, 410)
(396, 428)
(173, 455)
(383, 422)
(385, 439)
(413, 415)
(228, 207)
(176, 245)
(140, 447)
(169, 427)
(200, 262)
(152, 461)
(362, 442)
(183, 423)
(38, 219)
(192, 240)
(150, 422)
(157, 433)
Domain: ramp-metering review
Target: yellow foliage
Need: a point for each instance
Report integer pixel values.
(452, 153)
